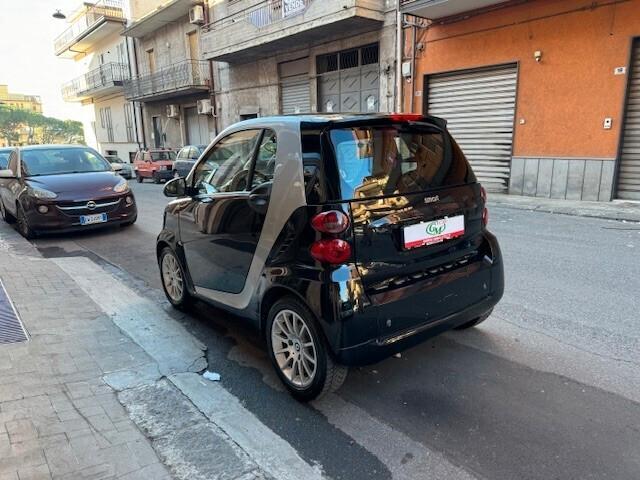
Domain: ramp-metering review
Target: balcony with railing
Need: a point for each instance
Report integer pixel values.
(92, 23)
(271, 25)
(104, 80)
(182, 78)
(439, 9)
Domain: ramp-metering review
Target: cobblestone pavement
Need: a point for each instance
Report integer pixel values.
(58, 419)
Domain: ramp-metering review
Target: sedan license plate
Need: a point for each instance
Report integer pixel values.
(436, 231)
(91, 219)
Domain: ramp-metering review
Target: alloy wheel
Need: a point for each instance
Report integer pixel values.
(294, 348)
(172, 277)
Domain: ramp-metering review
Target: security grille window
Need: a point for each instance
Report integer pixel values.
(107, 123)
(349, 81)
(128, 121)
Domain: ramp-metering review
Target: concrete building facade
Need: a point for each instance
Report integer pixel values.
(20, 100)
(172, 81)
(544, 95)
(300, 56)
(93, 41)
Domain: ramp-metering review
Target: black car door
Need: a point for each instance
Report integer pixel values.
(10, 187)
(220, 227)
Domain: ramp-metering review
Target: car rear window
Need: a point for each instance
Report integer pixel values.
(4, 159)
(393, 160)
(155, 156)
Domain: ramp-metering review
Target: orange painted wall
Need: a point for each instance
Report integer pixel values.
(563, 99)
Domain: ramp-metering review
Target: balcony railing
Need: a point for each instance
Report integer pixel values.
(172, 79)
(262, 15)
(105, 76)
(101, 10)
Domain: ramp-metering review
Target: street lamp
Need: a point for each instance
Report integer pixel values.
(59, 15)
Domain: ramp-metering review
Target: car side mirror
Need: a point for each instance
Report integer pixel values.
(260, 196)
(175, 188)
(116, 167)
(7, 173)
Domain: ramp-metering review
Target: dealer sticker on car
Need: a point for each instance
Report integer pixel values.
(436, 231)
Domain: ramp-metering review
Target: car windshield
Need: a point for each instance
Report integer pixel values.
(392, 160)
(58, 161)
(4, 158)
(155, 156)
(114, 160)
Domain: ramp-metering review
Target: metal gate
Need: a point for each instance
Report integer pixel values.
(349, 81)
(197, 127)
(629, 171)
(295, 95)
(479, 106)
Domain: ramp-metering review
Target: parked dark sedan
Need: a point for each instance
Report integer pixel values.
(343, 239)
(186, 159)
(59, 188)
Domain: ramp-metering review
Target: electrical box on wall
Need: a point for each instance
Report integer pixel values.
(406, 69)
(173, 111)
(608, 123)
(204, 107)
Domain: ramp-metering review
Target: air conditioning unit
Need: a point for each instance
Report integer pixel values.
(196, 15)
(204, 107)
(173, 111)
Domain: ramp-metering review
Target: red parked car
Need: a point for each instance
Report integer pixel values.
(156, 165)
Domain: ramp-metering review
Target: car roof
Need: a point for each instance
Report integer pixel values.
(324, 119)
(49, 146)
(7, 149)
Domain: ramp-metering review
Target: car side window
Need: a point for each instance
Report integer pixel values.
(13, 163)
(193, 153)
(227, 165)
(182, 154)
(266, 159)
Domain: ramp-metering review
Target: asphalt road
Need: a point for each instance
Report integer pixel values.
(547, 388)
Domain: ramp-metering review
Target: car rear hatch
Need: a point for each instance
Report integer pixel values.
(416, 211)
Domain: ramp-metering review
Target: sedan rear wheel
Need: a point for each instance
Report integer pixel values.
(173, 279)
(299, 352)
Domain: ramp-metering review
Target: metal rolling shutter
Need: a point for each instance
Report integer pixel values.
(295, 95)
(629, 173)
(479, 106)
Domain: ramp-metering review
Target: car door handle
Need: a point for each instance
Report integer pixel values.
(258, 199)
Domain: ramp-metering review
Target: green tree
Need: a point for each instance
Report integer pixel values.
(41, 129)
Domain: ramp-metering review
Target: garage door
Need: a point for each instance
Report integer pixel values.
(479, 106)
(197, 127)
(349, 81)
(294, 87)
(629, 173)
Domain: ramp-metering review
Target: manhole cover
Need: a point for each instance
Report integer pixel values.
(11, 328)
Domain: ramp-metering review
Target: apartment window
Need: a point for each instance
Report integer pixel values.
(105, 122)
(128, 121)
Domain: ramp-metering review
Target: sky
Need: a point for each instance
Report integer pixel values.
(27, 62)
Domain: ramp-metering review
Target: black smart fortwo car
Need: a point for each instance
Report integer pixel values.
(343, 238)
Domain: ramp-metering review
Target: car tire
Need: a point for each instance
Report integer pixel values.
(475, 322)
(293, 333)
(23, 225)
(4, 213)
(176, 291)
(130, 222)
(156, 178)
(139, 178)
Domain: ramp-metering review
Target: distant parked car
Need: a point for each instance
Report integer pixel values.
(343, 239)
(60, 188)
(126, 170)
(186, 159)
(156, 165)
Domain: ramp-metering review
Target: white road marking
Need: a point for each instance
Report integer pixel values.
(272, 454)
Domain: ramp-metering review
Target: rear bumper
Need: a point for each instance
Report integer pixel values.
(408, 316)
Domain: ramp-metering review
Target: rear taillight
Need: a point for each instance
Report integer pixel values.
(332, 221)
(485, 210)
(331, 250)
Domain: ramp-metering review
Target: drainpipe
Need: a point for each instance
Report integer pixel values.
(399, 49)
(144, 132)
(135, 117)
(212, 83)
(413, 67)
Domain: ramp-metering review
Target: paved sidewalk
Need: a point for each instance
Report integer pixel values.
(616, 210)
(58, 419)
